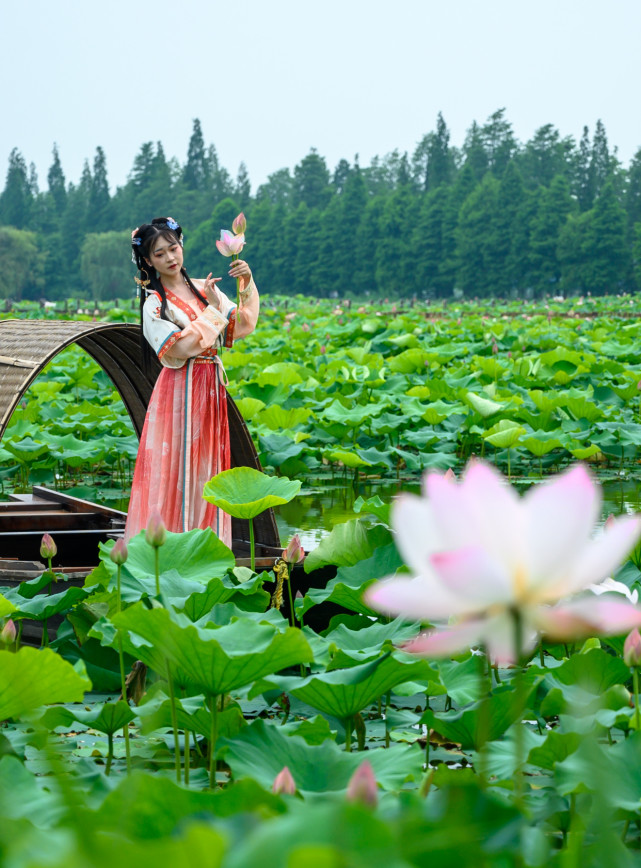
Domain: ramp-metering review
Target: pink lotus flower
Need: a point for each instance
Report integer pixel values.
(284, 783)
(156, 532)
(119, 552)
(362, 786)
(8, 633)
(294, 553)
(632, 649)
(229, 244)
(48, 548)
(239, 226)
(482, 555)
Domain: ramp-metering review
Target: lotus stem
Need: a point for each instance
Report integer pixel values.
(212, 742)
(252, 544)
(157, 569)
(348, 735)
(292, 617)
(635, 682)
(174, 720)
(123, 680)
(110, 752)
(187, 757)
(519, 702)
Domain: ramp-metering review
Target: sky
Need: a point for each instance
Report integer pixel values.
(270, 79)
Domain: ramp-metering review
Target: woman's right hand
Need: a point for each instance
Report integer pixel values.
(210, 291)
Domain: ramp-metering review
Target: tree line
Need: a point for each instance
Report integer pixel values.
(494, 218)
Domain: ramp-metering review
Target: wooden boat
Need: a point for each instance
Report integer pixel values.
(26, 347)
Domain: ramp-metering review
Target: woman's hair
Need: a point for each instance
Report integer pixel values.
(142, 240)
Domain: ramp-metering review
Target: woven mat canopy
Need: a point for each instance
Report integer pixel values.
(27, 346)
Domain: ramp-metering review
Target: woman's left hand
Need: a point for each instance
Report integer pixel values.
(240, 269)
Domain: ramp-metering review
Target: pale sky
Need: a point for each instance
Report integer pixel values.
(269, 79)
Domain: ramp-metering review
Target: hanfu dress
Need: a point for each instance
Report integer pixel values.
(185, 438)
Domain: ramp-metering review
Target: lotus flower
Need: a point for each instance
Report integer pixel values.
(8, 633)
(284, 783)
(156, 532)
(362, 786)
(119, 552)
(294, 553)
(48, 548)
(499, 565)
(632, 649)
(239, 226)
(229, 244)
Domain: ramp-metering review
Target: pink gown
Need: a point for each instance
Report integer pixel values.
(185, 438)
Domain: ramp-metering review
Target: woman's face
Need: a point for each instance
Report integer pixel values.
(166, 256)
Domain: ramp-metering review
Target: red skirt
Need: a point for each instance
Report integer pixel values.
(184, 442)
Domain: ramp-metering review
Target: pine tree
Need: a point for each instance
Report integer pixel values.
(555, 204)
(610, 255)
(476, 156)
(545, 156)
(633, 194)
(600, 168)
(427, 244)
(498, 141)
(222, 186)
(16, 200)
(311, 181)
(395, 272)
(278, 189)
(100, 213)
(57, 184)
(242, 188)
(477, 240)
(583, 177)
(196, 171)
(432, 161)
(340, 176)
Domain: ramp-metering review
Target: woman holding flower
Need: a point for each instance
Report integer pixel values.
(186, 323)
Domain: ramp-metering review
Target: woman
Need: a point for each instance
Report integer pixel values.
(185, 438)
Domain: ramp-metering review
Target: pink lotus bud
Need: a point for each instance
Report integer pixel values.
(294, 553)
(8, 633)
(156, 532)
(362, 786)
(305, 327)
(239, 226)
(284, 783)
(632, 649)
(48, 548)
(449, 475)
(495, 347)
(609, 522)
(639, 385)
(119, 552)
(322, 349)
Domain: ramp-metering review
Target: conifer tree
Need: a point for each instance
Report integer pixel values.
(476, 157)
(311, 181)
(242, 188)
(555, 204)
(57, 184)
(100, 213)
(196, 171)
(16, 200)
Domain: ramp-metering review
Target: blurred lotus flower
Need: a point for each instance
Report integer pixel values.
(322, 349)
(119, 552)
(284, 783)
(48, 548)
(609, 584)
(499, 565)
(8, 633)
(294, 553)
(632, 649)
(239, 226)
(229, 244)
(156, 532)
(362, 786)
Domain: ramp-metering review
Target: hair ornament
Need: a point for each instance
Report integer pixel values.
(171, 223)
(136, 241)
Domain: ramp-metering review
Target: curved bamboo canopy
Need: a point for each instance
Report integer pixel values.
(27, 346)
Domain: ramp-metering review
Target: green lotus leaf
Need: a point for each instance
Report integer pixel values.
(262, 750)
(346, 545)
(505, 434)
(539, 443)
(6, 607)
(483, 406)
(244, 492)
(348, 459)
(30, 678)
(107, 717)
(278, 419)
(216, 660)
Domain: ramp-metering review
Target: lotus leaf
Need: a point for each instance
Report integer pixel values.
(244, 492)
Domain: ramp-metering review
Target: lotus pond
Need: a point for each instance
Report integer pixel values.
(533, 764)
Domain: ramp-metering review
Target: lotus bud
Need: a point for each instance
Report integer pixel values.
(609, 522)
(495, 347)
(48, 548)
(8, 633)
(632, 649)
(450, 475)
(156, 532)
(239, 226)
(362, 786)
(284, 783)
(322, 349)
(639, 385)
(294, 553)
(119, 552)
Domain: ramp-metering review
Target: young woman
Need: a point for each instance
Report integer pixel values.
(185, 438)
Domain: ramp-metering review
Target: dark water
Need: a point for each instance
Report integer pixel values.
(322, 505)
